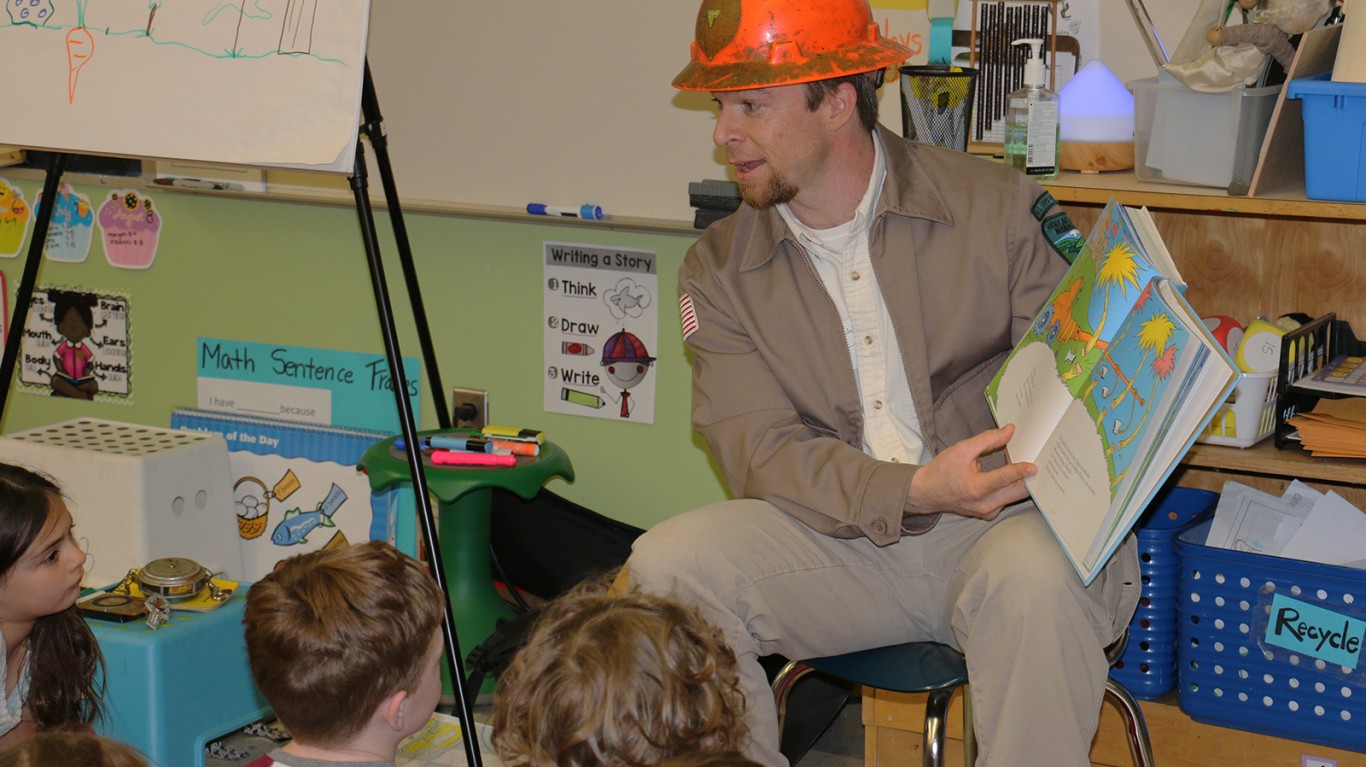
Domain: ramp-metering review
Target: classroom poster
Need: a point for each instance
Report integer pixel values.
(15, 216)
(71, 228)
(601, 331)
(298, 383)
(76, 344)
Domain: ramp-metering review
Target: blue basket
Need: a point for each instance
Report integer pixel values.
(1148, 666)
(1232, 672)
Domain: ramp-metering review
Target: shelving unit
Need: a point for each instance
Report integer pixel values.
(1244, 257)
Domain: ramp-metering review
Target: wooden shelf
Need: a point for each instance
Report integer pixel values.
(1098, 188)
(1264, 459)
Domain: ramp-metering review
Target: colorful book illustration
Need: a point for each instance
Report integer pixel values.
(1109, 387)
(296, 487)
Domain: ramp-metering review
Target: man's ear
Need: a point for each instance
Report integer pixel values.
(843, 104)
(393, 710)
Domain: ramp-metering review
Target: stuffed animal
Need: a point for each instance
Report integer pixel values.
(1271, 24)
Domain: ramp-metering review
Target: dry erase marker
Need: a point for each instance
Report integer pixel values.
(592, 212)
(460, 458)
(467, 444)
(513, 433)
(516, 447)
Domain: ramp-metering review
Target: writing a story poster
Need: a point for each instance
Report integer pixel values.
(601, 331)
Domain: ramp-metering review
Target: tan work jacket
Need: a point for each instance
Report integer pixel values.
(964, 266)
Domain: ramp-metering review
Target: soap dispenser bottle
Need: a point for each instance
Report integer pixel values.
(1031, 145)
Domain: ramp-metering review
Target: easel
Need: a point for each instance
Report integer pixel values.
(372, 127)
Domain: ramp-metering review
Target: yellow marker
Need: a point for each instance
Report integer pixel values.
(512, 432)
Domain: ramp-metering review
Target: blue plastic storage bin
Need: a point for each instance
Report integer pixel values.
(1147, 669)
(1334, 137)
(1233, 672)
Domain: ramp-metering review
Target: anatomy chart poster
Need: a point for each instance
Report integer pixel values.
(76, 345)
(601, 331)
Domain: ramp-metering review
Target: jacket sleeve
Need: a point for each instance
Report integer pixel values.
(757, 436)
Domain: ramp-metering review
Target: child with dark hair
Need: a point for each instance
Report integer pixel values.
(346, 646)
(614, 678)
(74, 375)
(51, 659)
(68, 749)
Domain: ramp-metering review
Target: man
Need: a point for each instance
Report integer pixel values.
(844, 324)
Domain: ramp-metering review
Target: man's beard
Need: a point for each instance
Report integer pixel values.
(766, 194)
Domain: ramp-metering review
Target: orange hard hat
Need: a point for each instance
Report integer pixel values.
(742, 44)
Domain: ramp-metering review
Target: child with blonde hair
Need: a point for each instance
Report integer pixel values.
(613, 678)
(68, 749)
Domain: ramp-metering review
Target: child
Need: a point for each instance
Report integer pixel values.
(704, 759)
(51, 658)
(613, 678)
(64, 749)
(346, 646)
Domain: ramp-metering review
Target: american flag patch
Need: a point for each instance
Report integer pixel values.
(687, 315)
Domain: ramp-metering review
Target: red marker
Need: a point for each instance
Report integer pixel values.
(454, 458)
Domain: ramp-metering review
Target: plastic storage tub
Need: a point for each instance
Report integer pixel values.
(1147, 669)
(1209, 139)
(1249, 415)
(1334, 137)
(1271, 645)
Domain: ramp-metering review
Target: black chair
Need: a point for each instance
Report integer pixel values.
(937, 669)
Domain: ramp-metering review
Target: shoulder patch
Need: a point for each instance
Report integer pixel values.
(1063, 235)
(687, 315)
(1042, 205)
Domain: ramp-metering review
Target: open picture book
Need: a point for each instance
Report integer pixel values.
(1109, 387)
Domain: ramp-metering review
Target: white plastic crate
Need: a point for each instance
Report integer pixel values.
(137, 493)
(1249, 415)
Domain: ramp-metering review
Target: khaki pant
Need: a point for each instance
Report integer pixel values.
(1003, 592)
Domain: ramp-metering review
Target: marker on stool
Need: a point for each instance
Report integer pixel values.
(460, 458)
(591, 212)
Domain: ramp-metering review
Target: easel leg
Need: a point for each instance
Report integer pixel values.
(24, 296)
(407, 422)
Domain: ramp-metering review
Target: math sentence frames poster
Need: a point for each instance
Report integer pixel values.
(601, 331)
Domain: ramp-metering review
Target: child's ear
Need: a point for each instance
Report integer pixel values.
(394, 709)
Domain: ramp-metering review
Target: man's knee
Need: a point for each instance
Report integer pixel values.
(695, 549)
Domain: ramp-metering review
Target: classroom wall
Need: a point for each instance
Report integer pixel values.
(295, 273)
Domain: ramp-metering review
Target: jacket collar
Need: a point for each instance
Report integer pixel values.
(901, 195)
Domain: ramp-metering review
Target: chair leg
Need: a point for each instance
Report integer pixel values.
(782, 687)
(969, 732)
(936, 719)
(1135, 726)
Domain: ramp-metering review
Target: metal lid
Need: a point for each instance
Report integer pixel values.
(175, 574)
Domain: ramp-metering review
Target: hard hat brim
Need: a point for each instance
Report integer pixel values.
(747, 75)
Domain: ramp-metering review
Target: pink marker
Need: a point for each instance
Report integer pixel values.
(460, 458)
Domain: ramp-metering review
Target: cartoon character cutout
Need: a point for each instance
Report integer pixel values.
(73, 312)
(626, 361)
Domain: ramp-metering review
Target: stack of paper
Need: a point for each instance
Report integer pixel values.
(1303, 523)
(1336, 428)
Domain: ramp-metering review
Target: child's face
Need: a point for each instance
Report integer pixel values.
(422, 701)
(47, 578)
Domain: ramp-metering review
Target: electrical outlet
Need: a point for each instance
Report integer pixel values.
(1316, 761)
(469, 408)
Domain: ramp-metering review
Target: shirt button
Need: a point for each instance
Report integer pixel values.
(877, 404)
(855, 276)
(894, 459)
(880, 526)
(867, 339)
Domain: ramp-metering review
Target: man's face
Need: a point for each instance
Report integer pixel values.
(772, 140)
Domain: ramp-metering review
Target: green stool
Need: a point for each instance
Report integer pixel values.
(465, 495)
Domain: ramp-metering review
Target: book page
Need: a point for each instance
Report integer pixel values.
(1072, 488)
(1032, 398)
(1153, 245)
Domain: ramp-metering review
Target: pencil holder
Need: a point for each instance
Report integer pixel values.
(936, 104)
(1148, 666)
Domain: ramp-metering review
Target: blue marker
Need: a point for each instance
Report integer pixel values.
(591, 212)
(463, 444)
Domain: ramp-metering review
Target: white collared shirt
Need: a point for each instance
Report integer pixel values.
(843, 262)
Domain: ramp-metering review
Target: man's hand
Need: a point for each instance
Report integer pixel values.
(954, 482)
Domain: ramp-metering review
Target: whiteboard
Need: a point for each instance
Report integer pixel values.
(254, 82)
(506, 102)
